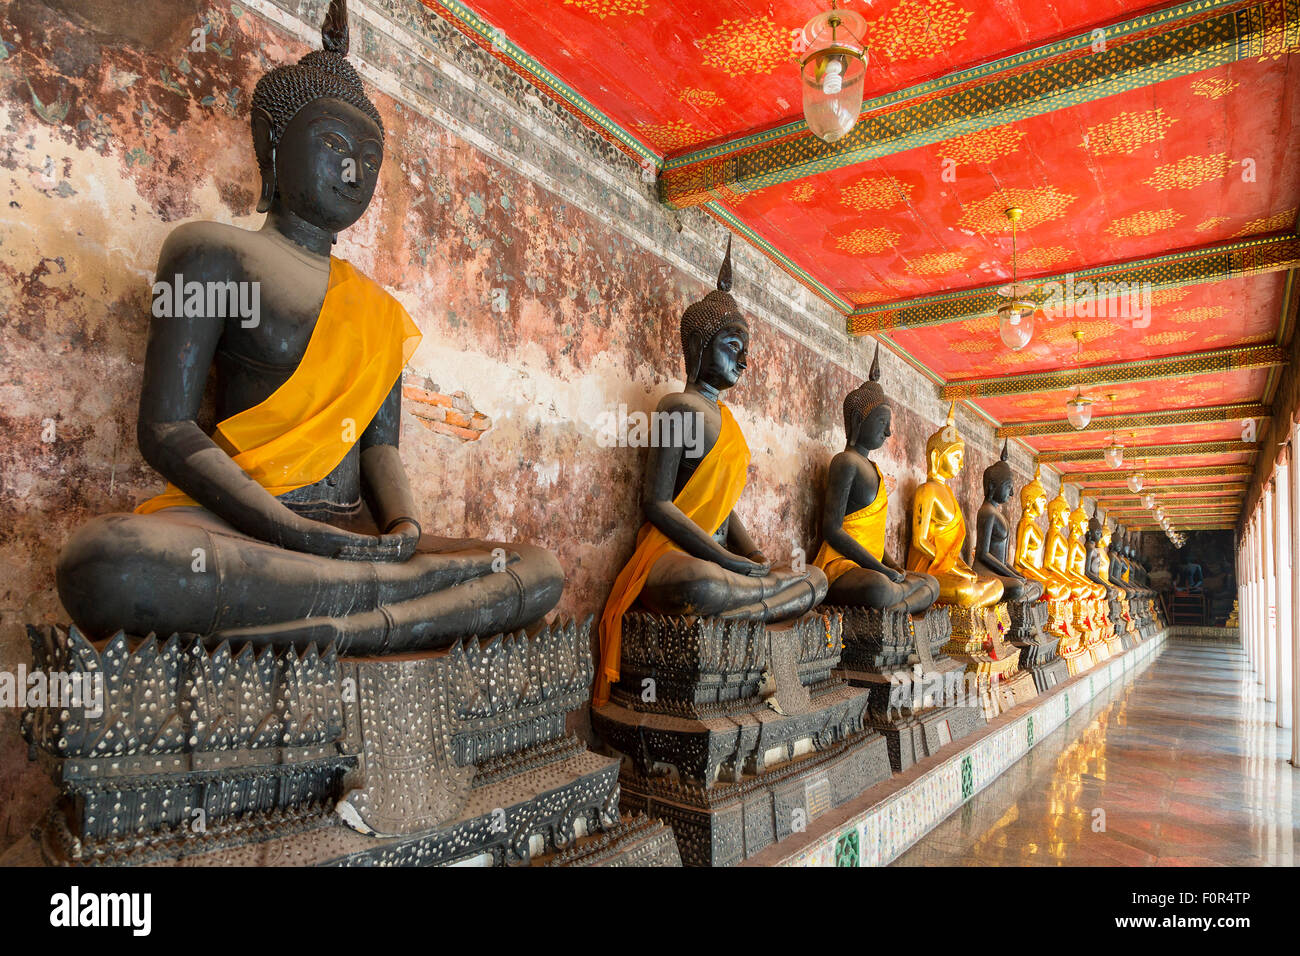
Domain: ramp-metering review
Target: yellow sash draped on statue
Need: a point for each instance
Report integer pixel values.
(362, 340)
(866, 526)
(947, 546)
(707, 498)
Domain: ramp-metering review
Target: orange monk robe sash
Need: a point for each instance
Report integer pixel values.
(707, 499)
(362, 340)
(866, 526)
(948, 540)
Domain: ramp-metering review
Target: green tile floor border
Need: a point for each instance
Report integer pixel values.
(881, 833)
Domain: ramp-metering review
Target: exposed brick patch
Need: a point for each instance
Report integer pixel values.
(453, 415)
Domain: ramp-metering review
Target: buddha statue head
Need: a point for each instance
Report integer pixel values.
(945, 449)
(1033, 497)
(867, 411)
(998, 480)
(1096, 530)
(319, 140)
(1106, 532)
(1079, 519)
(715, 335)
(1058, 512)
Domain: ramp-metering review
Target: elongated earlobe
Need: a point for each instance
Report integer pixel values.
(265, 150)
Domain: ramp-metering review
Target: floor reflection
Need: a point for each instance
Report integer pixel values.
(1183, 766)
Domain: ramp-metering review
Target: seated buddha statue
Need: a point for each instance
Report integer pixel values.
(1030, 542)
(855, 510)
(1120, 569)
(1098, 567)
(693, 555)
(992, 535)
(939, 529)
(293, 521)
(1078, 563)
(1056, 552)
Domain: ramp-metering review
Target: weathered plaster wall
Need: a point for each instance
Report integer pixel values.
(546, 279)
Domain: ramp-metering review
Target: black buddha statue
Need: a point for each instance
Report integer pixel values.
(855, 510)
(293, 521)
(1098, 564)
(694, 556)
(992, 534)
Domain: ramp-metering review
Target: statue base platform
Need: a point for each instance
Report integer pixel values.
(979, 643)
(1038, 648)
(915, 692)
(737, 733)
(459, 755)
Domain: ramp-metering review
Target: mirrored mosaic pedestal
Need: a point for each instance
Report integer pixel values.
(736, 733)
(916, 692)
(980, 644)
(1123, 621)
(1038, 647)
(306, 758)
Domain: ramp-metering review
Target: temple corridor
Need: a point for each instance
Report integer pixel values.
(1185, 760)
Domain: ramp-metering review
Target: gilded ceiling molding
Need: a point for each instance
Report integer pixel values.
(1151, 451)
(1156, 474)
(1177, 41)
(1099, 284)
(1109, 423)
(1113, 373)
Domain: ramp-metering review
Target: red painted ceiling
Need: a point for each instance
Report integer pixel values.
(1180, 164)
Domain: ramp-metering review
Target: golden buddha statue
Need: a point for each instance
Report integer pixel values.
(1056, 554)
(939, 529)
(1030, 542)
(1078, 563)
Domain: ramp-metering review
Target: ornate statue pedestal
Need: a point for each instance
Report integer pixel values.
(979, 643)
(1123, 621)
(283, 758)
(1093, 628)
(1063, 620)
(915, 691)
(736, 733)
(1039, 649)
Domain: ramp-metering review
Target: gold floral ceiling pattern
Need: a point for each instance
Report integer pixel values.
(1204, 313)
(875, 192)
(702, 99)
(1127, 132)
(867, 241)
(936, 263)
(1043, 257)
(803, 191)
(742, 47)
(1144, 223)
(984, 146)
(609, 8)
(1273, 223)
(916, 29)
(1190, 172)
(675, 135)
(1039, 205)
(1214, 87)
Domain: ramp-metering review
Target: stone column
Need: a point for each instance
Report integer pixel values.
(1267, 598)
(1295, 602)
(1281, 584)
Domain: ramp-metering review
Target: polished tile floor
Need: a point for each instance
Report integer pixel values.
(1182, 766)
